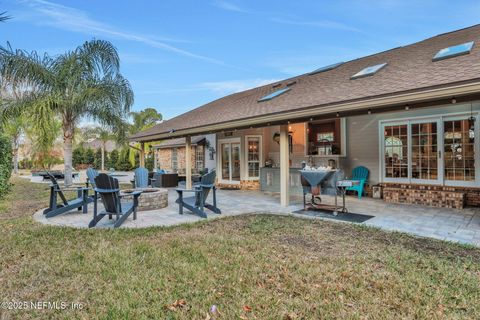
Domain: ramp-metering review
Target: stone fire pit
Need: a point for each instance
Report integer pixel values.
(150, 199)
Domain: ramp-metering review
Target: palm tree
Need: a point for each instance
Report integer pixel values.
(144, 119)
(4, 17)
(81, 84)
(104, 134)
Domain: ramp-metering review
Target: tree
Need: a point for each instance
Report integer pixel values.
(99, 157)
(89, 157)
(113, 159)
(144, 119)
(79, 84)
(78, 156)
(105, 134)
(4, 17)
(14, 129)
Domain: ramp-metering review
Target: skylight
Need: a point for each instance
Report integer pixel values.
(326, 68)
(368, 71)
(454, 51)
(273, 94)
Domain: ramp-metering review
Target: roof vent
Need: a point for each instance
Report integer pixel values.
(291, 83)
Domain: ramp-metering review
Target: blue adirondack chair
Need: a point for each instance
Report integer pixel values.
(141, 178)
(361, 174)
(91, 175)
(109, 191)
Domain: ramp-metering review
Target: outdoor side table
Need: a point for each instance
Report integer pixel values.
(342, 186)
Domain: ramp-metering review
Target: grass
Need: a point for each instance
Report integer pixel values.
(249, 267)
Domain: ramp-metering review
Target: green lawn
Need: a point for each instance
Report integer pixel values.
(250, 267)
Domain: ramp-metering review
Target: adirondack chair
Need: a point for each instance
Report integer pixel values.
(141, 179)
(109, 191)
(91, 175)
(54, 209)
(361, 174)
(197, 203)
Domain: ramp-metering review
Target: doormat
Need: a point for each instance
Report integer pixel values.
(349, 217)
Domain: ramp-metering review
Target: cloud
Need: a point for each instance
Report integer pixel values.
(218, 87)
(72, 19)
(229, 6)
(227, 87)
(325, 24)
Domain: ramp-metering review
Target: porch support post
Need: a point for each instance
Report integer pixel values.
(155, 164)
(142, 155)
(284, 166)
(188, 162)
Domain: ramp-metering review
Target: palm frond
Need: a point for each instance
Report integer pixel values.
(4, 17)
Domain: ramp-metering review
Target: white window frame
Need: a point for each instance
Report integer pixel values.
(219, 159)
(343, 140)
(260, 159)
(440, 118)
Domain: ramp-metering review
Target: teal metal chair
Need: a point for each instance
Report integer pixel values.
(361, 174)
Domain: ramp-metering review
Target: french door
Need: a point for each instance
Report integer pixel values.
(230, 161)
(437, 150)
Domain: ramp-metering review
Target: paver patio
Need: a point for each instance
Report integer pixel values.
(461, 226)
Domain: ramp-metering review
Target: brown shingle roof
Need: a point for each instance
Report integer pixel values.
(408, 68)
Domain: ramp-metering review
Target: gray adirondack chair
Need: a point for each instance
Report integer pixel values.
(54, 208)
(141, 179)
(109, 191)
(198, 202)
(91, 175)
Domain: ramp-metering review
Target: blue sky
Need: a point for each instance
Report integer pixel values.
(179, 55)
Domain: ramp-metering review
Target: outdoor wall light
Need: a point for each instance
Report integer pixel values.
(407, 107)
(454, 100)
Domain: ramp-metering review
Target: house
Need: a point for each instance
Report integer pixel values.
(95, 144)
(408, 114)
(170, 154)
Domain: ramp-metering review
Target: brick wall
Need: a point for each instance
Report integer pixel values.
(164, 159)
(435, 196)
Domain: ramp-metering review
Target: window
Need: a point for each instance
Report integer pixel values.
(459, 142)
(325, 137)
(368, 71)
(199, 158)
(174, 159)
(439, 150)
(326, 68)
(273, 94)
(454, 51)
(253, 145)
(396, 151)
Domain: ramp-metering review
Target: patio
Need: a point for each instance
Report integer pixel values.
(461, 226)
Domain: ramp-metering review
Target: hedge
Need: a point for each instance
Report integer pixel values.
(5, 164)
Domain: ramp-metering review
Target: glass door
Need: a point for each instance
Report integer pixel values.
(230, 161)
(425, 151)
(459, 150)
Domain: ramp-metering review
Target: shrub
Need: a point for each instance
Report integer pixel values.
(112, 159)
(123, 163)
(89, 157)
(5, 164)
(149, 163)
(98, 159)
(78, 156)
